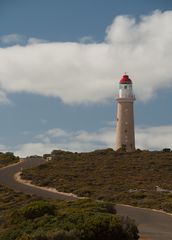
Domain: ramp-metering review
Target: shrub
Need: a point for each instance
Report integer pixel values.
(7, 158)
(64, 235)
(37, 209)
(108, 227)
(11, 234)
(40, 235)
(107, 207)
(130, 228)
(25, 237)
(167, 206)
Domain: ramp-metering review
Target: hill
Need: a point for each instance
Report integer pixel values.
(25, 217)
(129, 178)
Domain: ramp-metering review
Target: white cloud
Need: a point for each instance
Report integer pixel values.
(17, 39)
(87, 39)
(89, 73)
(56, 132)
(151, 138)
(29, 149)
(72, 141)
(50, 134)
(154, 137)
(3, 98)
(3, 148)
(12, 39)
(35, 41)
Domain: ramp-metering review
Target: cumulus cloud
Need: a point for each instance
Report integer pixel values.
(79, 72)
(72, 141)
(150, 138)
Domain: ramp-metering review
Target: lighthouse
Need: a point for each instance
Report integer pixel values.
(125, 137)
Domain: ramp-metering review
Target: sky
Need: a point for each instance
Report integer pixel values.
(60, 65)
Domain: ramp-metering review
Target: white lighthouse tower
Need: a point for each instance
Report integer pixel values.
(125, 137)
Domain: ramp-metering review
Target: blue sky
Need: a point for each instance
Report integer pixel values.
(60, 62)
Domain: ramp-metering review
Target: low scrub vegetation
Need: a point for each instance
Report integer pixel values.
(7, 158)
(129, 178)
(79, 220)
(37, 209)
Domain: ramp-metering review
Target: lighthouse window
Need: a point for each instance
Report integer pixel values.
(125, 131)
(124, 146)
(125, 87)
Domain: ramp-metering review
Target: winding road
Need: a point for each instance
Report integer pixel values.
(153, 225)
(7, 179)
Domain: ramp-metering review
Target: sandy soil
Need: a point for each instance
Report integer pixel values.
(18, 178)
(155, 210)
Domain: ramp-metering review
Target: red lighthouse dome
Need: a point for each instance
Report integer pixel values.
(125, 80)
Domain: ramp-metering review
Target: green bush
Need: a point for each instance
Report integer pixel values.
(95, 227)
(37, 209)
(108, 227)
(25, 237)
(167, 206)
(64, 235)
(76, 220)
(8, 158)
(130, 229)
(11, 234)
(107, 207)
